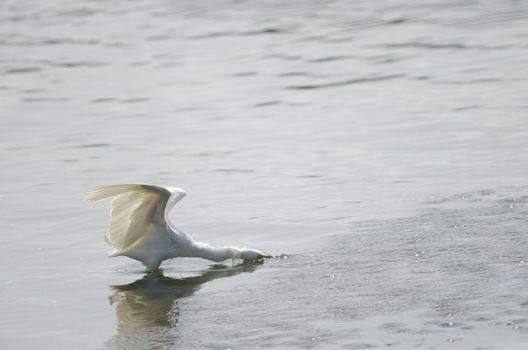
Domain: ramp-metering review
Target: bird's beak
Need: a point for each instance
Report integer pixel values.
(265, 256)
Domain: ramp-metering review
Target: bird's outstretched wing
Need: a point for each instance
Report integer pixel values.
(135, 208)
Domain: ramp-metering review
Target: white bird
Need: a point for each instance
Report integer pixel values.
(140, 228)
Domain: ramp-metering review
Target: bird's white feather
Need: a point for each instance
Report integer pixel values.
(135, 209)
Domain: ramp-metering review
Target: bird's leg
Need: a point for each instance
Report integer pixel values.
(152, 266)
(155, 271)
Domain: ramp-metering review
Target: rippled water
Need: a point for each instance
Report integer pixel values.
(381, 146)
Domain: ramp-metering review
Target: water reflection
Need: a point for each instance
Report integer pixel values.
(148, 307)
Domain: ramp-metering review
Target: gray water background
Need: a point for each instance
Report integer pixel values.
(380, 145)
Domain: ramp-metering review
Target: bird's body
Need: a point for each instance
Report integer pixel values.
(140, 229)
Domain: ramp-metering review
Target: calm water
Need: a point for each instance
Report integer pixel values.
(382, 146)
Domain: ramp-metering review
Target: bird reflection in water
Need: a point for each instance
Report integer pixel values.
(148, 307)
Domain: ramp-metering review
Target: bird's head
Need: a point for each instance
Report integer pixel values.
(253, 254)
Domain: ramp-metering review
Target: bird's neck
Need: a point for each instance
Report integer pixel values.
(217, 254)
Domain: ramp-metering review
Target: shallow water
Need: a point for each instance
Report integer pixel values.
(381, 146)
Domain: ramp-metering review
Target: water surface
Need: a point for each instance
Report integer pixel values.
(381, 146)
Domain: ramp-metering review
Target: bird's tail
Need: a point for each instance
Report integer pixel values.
(115, 252)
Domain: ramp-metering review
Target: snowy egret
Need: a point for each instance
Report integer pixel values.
(140, 228)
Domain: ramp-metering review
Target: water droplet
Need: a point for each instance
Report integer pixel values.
(450, 340)
(314, 339)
